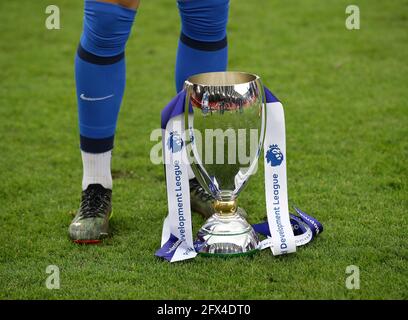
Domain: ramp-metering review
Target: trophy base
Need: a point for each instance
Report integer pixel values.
(227, 236)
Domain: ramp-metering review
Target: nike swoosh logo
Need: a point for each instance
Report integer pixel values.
(83, 97)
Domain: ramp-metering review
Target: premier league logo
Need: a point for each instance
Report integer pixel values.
(175, 142)
(274, 155)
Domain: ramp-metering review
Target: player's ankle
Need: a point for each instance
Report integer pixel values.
(97, 169)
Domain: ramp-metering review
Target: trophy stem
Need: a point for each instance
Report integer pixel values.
(225, 208)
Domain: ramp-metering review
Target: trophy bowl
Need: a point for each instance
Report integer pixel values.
(225, 118)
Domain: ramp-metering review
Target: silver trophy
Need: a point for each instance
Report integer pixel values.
(225, 118)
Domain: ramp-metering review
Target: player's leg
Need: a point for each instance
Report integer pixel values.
(100, 84)
(203, 39)
(202, 48)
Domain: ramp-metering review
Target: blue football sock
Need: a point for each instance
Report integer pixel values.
(100, 72)
(203, 41)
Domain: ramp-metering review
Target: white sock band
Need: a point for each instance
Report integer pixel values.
(97, 169)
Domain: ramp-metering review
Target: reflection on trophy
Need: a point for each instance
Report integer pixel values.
(225, 116)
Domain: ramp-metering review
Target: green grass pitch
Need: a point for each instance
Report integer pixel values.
(345, 96)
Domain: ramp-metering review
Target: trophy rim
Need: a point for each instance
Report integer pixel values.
(229, 255)
(221, 78)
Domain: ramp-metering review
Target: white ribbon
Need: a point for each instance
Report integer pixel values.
(276, 192)
(178, 220)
